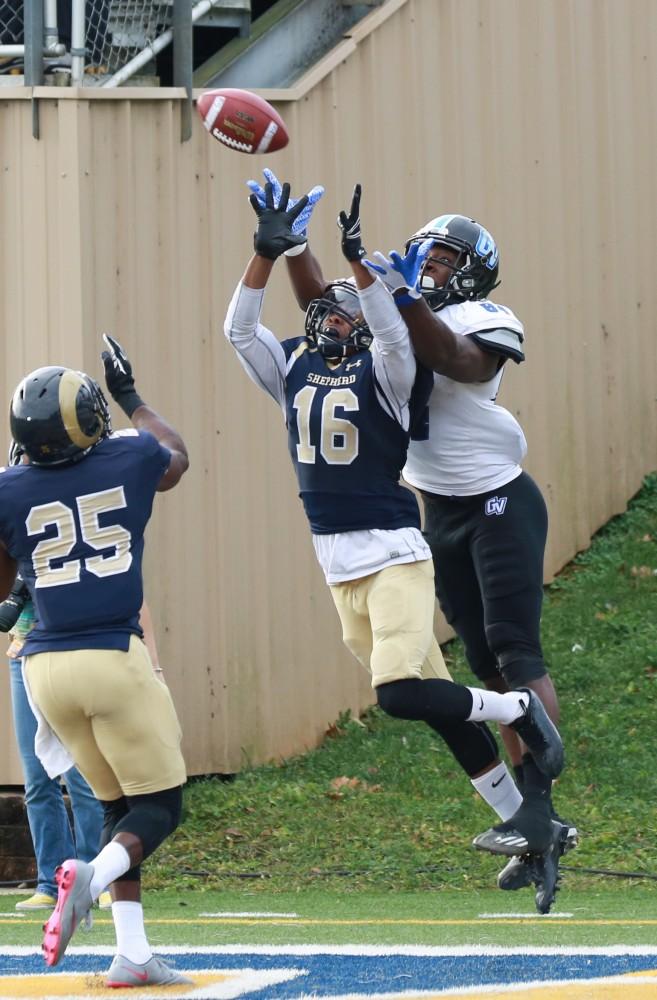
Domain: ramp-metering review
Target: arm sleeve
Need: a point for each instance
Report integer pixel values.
(260, 354)
(392, 354)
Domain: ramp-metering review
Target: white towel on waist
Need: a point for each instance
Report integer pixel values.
(50, 750)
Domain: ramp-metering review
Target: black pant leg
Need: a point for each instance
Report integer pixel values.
(447, 531)
(508, 546)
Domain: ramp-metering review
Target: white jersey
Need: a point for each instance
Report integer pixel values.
(474, 445)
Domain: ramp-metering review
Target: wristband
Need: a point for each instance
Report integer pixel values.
(295, 251)
(129, 402)
(406, 299)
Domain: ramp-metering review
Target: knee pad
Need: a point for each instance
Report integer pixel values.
(434, 701)
(152, 817)
(518, 671)
(113, 813)
(519, 654)
(399, 698)
(483, 665)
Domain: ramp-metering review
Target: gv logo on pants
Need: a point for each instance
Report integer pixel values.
(495, 505)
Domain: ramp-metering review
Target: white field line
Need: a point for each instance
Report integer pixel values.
(288, 916)
(419, 951)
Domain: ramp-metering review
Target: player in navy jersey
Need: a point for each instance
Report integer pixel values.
(349, 391)
(72, 521)
(487, 545)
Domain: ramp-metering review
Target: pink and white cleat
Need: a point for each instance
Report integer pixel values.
(73, 904)
(154, 972)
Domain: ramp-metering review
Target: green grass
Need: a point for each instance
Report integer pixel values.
(448, 918)
(405, 818)
(384, 856)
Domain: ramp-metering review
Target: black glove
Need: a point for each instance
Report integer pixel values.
(274, 233)
(11, 608)
(118, 376)
(352, 248)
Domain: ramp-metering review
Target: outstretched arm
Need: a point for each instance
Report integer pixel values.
(436, 346)
(260, 354)
(306, 277)
(121, 386)
(392, 357)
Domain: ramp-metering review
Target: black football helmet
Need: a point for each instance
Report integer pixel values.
(340, 298)
(475, 271)
(58, 415)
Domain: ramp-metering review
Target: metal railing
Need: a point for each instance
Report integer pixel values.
(104, 44)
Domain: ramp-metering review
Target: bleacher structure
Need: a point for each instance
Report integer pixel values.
(108, 43)
(99, 39)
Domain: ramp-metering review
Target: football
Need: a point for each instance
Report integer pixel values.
(242, 120)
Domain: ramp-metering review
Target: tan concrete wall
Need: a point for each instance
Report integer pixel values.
(535, 116)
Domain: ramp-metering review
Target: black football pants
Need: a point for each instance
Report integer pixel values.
(488, 555)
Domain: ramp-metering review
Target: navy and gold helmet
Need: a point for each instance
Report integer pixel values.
(475, 273)
(341, 299)
(58, 415)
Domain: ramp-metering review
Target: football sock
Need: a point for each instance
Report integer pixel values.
(497, 788)
(131, 940)
(489, 706)
(112, 861)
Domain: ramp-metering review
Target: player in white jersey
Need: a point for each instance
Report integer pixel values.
(258, 353)
(485, 518)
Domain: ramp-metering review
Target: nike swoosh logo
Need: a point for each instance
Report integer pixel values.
(481, 703)
(496, 783)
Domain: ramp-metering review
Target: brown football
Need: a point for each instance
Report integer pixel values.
(242, 120)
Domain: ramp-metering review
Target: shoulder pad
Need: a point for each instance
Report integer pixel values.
(502, 341)
(294, 347)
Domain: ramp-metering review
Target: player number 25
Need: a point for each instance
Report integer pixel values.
(112, 537)
(339, 438)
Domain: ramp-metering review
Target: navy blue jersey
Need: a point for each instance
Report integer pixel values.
(347, 449)
(77, 533)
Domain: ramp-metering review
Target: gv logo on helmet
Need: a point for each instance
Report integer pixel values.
(486, 249)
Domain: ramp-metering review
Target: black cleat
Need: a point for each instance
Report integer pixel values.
(547, 870)
(529, 831)
(521, 871)
(538, 732)
(518, 873)
(507, 839)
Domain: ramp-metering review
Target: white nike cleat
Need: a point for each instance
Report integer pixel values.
(154, 972)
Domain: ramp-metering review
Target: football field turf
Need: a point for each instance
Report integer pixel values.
(597, 945)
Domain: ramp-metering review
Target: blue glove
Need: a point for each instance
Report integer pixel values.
(401, 274)
(300, 224)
